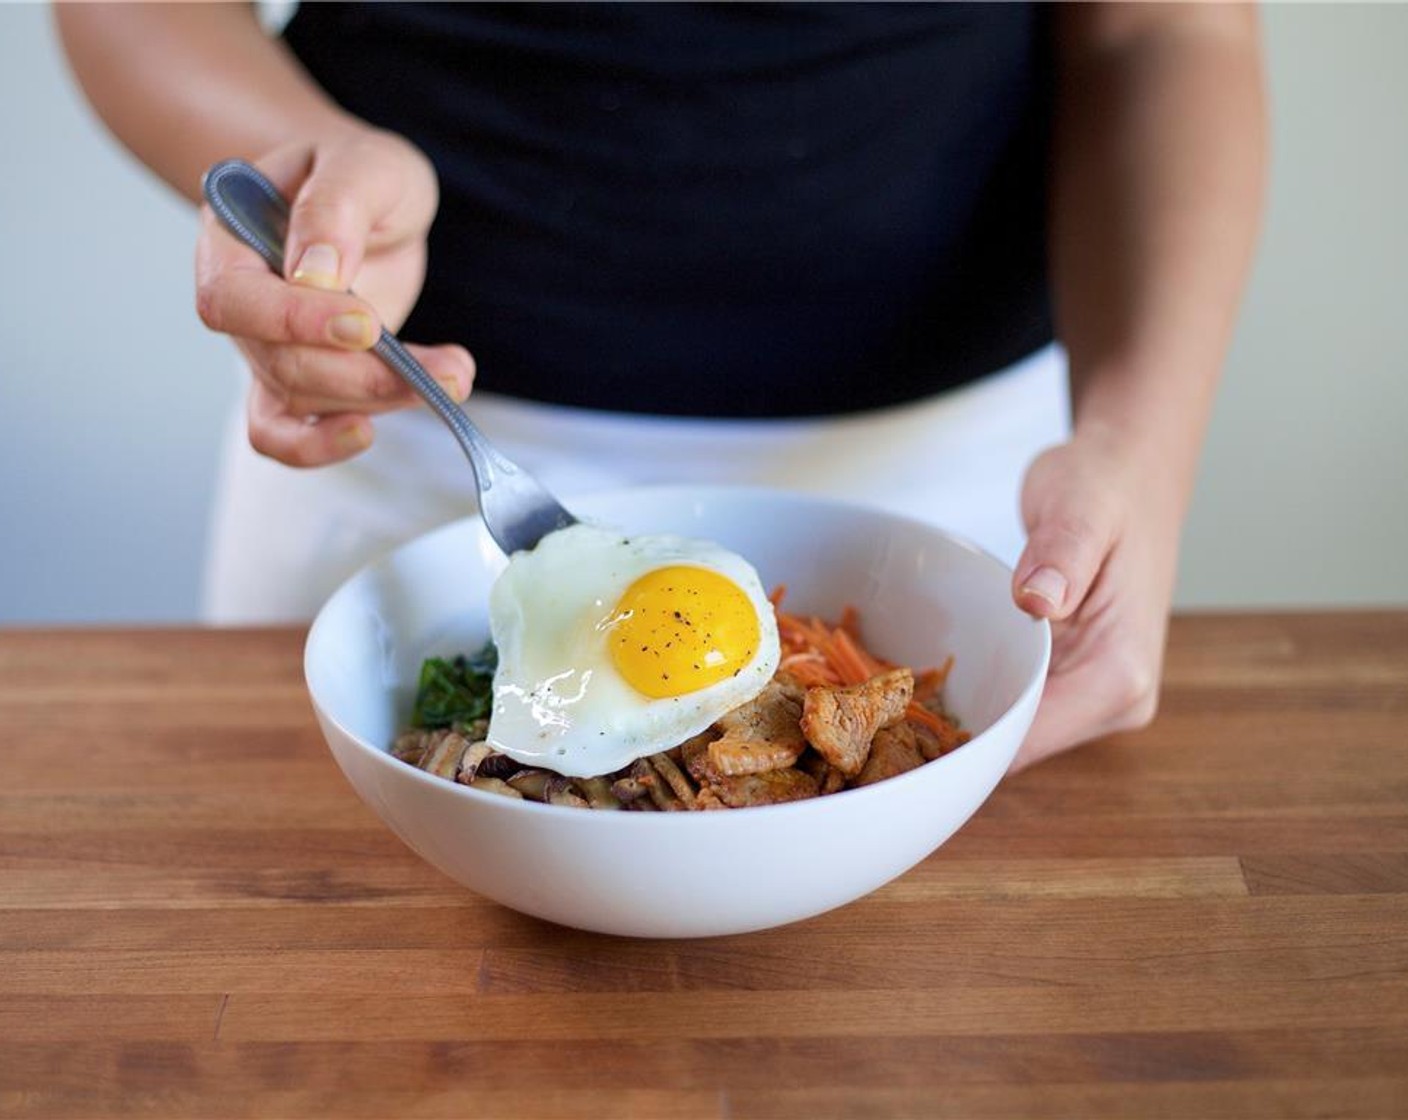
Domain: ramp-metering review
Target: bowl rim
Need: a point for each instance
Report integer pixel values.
(384, 758)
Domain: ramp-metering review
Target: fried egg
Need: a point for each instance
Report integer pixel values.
(612, 647)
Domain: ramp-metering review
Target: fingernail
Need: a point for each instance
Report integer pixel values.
(319, 267)
(352, 328)
(353, 438)
(452, 385)
(1048, 584)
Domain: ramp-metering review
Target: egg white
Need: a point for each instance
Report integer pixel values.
(559, 702)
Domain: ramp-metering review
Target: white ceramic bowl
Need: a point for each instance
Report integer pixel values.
(921, 594)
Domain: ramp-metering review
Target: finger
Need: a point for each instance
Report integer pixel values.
(309, 380)
(344, 196)
(236, 294)
(1065, 549)
(299, 442)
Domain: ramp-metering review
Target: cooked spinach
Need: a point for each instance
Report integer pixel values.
(455, 690)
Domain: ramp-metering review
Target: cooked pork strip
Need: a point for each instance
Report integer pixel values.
(841, 722)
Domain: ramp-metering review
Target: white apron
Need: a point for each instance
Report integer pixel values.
(282, 539)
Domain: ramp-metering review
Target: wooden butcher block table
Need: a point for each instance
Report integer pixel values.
(1208, 918)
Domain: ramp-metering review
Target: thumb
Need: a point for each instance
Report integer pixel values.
(1066, 546)
(329, 221)
(349, 190)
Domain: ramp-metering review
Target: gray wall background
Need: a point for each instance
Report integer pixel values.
(113, 396)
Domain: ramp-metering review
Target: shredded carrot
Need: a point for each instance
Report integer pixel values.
(857, 657)
(918, 713)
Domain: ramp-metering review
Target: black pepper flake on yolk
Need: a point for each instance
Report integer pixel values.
(662, 651)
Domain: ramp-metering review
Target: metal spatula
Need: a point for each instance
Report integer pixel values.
(517, 510)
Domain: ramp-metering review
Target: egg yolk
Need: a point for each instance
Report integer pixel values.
(679, 629)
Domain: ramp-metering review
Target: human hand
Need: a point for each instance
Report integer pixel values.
(1100, 564)
(361, 205)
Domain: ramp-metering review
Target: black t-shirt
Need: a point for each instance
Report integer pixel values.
(719, 210)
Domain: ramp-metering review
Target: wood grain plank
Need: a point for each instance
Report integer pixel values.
(95, 810)
(288, 847)
(998, 879)
(113, 714)
(200, 657)
(1214, 753)
(399, 972)
(999, 834)
(1218, 649)
(291, 925)
(340, 873)
(871, 946)
(544, 1103)
(41, 775)
(937, 1061)
(1327, 873)
(187, 888)
(1289, 1098)
(1279, 1099)
(1165, 1006)
(27, 1019)
(874, 946)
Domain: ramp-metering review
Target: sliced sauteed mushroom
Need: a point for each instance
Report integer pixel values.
(495, 785)
(598, 793)
(561, 791)
(471, 761)
(532, 784)
(674, 777)
(443, 759)
(630, 790)
(499, 766)
(658, 791)
(410, 746)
